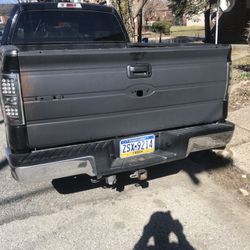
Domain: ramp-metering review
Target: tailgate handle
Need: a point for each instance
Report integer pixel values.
(139, 71)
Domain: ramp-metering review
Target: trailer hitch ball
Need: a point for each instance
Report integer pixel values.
(111, 180)
(141, 175)
(95, 180)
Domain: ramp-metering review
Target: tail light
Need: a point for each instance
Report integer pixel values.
(10, 91)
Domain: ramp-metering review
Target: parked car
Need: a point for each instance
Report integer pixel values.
(79, 98)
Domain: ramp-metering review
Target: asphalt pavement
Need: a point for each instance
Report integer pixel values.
(181, 206)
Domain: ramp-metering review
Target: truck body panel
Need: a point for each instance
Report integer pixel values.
(72, 96)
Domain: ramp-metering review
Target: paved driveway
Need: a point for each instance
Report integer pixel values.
(190, 204)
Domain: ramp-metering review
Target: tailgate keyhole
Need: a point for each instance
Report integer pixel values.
(139, 93)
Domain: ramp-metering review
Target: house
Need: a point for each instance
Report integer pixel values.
(3, 19)
(4, 13)
(157, 14)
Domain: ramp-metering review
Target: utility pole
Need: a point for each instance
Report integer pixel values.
(217, 22)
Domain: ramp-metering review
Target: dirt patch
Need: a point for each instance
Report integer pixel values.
(239, 96)
(229, 176)
(233, 179)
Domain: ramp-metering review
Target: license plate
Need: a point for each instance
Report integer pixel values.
(137, 146)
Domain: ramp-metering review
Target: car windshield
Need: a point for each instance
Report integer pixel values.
(67, 26)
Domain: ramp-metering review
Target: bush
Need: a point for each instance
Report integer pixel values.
(161, 27)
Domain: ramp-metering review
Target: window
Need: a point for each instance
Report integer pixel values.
(67, 27)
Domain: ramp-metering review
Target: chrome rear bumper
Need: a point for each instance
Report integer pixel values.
(101, 158)
(55, 170)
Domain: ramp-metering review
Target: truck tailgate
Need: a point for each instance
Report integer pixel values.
(71, 96)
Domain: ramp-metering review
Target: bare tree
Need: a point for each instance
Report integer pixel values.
(152, 7)
(5, 9)
(193, 7)
(137, 7)
(129, 11)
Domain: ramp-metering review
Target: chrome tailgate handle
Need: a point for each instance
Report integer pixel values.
(139, 71)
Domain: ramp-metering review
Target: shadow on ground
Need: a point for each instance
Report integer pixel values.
(157, 234)
(21, 214)
(3, 164)
(24, 196)
(195, 164)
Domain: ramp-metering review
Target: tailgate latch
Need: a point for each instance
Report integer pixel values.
(143, 70)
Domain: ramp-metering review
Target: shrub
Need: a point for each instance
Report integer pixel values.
(161, 27)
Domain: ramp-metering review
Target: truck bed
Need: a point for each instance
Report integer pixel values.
(79, 95)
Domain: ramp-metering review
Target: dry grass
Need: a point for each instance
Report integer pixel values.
(240, 84)
(193, 31)
(241, 69)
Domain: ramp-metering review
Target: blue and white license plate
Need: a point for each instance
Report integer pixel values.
(137, 146)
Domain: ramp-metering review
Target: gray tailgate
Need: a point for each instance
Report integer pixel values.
(71, 96)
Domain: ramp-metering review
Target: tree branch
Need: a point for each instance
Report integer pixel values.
(138, 7)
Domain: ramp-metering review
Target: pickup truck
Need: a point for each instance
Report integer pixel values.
(78, 98)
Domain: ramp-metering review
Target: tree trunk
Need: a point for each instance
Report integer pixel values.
(138, 7)
(207, 25)
(160, 37)
(139, 30)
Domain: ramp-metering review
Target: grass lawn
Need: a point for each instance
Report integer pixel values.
(195, 31)
(241, 68)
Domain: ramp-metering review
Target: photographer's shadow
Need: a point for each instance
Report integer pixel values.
(159, 229)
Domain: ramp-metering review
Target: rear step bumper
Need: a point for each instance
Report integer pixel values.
(102, 158)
